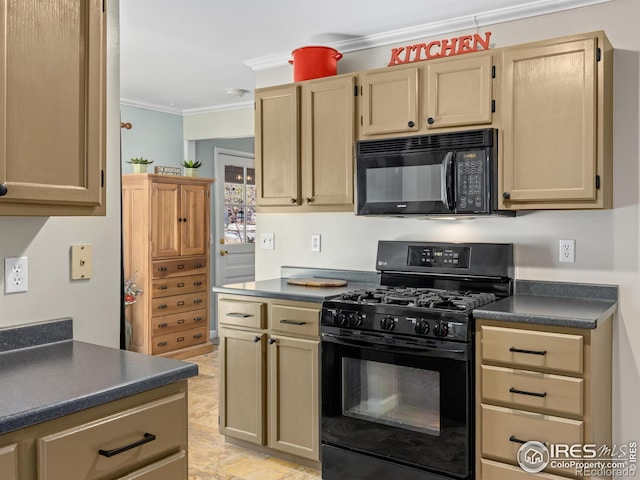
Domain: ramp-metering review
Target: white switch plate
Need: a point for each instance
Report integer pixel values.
(315, 242)
(81, 262)
(568, 251)
(266, 241)
(16, 275)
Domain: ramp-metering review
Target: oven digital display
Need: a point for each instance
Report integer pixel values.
(439, 257)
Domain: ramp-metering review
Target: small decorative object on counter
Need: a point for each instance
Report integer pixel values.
(191, 168)
(140, 164)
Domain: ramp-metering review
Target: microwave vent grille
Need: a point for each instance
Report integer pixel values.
(441, 141)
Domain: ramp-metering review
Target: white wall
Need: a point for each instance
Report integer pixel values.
(93, 304)
(231, 123)
(607, 242)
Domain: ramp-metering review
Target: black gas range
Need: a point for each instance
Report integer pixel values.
(397, 362)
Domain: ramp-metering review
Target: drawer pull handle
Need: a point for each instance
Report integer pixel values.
(163, 325)
(522, 392)
(531, 352)
(180, 285)
(180, 267)
(162, 269)
(198, 265)
(239, 315)
(148, 437)
(292, 322)
(162, 344)
(199, 335)
(180, 339)
(181, 321)
(163, 287)
(197, 300)
(272, 341)
(516, 440)
(160, 307)
(197, 319)
(197, 284)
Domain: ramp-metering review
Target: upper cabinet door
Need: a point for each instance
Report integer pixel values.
(277, 144)
(327, 141)
(550, 133)
(459, 92)
(194, 227)
(165, 220)
(389, 101)
(52, 81)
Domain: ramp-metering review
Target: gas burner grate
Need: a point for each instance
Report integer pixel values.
(427, 298)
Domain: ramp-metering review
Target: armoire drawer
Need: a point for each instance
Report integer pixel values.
(533, 389)
(165, 287)
(173, 341)
(178, 303)
(529, 348)
(178, 322)
(242, 313)
(179, 267)
(114, 443)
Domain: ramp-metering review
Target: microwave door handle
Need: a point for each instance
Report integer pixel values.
(447, 180)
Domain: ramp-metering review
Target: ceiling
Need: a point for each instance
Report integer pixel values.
(183, 56)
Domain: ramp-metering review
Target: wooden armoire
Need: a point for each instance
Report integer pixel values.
(166, 223)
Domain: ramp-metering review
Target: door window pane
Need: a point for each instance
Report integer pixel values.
(239, 205)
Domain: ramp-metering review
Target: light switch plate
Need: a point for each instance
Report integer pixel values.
(266, 241)
(81, 262)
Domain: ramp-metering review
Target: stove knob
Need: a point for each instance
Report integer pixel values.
(340, 319)
(387, 323)
(421, 328)
(441, 329)
(355, 319)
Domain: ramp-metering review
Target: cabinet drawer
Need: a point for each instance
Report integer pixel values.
(166, 287)
(241, 313)
(556, 351)
(79, 453)
(503, 428)
(178, 303)
(500, 471)
(295, 320)
(174, 341)
(8, 462)
(179, 267)
(533, 389)
(173, 467)
(178, 322)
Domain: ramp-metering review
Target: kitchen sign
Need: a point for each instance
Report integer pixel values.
(439, 48)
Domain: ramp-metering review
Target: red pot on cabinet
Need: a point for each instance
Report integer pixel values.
(314, 62)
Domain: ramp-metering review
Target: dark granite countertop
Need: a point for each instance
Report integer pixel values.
(554, 303)
(49, 380)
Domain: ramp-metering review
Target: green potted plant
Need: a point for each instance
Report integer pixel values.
(140, 164)
(191, 168)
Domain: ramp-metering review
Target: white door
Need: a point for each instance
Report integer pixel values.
(233, 246)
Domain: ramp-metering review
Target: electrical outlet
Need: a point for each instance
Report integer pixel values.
(568, 251)
(16, 278)
(266, 241)
(315, 242)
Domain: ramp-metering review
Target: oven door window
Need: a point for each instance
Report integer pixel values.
(398, 404)
(394, 395)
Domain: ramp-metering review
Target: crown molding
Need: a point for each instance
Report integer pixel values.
(531, 9)
(150, 106)
(187, 111)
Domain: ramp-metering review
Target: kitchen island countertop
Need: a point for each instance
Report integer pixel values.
(48, 380)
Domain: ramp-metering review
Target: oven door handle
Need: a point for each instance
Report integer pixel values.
(454, 353)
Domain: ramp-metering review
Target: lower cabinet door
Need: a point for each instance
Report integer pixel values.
(501, 471)
(242, 384)
(8, 462)
(293, 396)
(170, 468)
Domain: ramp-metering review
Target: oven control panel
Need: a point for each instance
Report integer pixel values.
(439, 256)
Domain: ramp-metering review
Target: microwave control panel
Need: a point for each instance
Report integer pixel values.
(471, 180)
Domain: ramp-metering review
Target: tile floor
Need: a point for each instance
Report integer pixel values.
(210, 458)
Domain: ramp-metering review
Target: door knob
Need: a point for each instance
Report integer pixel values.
(224, 253)
(222, 241)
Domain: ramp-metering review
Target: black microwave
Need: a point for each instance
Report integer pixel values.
(442, 174)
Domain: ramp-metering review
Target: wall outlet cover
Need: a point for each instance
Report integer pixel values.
(267, 241)
(16, 275)
(568, 251)
(315, 242)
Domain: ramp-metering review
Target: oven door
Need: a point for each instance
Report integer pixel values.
(399, 403)
(404, 184)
